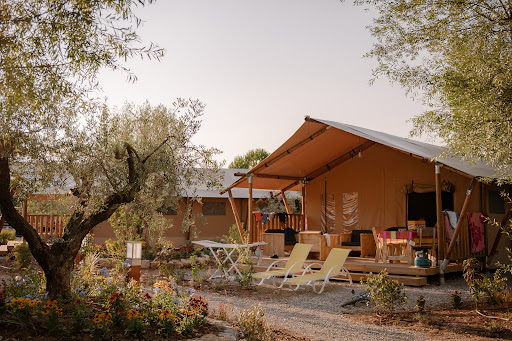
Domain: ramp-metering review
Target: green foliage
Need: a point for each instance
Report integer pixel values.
(78, 316)
(480, 284)
(420, 305)
(250, 159)
(246, 269)
(52, 51)
(455, 300)
(455, 57)
(385, 293)
(253, 326)
(272, 204)
(29, 283)
(22, 256)
(234, 235)
(6, 235)
(198, 272)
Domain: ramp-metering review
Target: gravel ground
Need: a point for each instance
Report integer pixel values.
(321, 317)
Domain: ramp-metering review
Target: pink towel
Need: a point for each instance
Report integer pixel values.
(476, 229)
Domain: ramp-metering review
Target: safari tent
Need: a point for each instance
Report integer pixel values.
(354, 178)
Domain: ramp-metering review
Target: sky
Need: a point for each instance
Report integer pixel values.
(260, 67)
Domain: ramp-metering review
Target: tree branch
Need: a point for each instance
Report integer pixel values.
(158, 147)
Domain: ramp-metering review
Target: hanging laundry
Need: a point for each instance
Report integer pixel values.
(264, 217)
(450, 222)
(257, 215)
(282, 217)
(476, 230)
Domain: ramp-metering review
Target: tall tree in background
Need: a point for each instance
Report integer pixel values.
(456, 56)
(250, 159)
(52, 128)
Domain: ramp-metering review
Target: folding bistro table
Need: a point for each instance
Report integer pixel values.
(227, 264)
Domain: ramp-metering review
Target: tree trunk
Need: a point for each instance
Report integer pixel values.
(58, 278)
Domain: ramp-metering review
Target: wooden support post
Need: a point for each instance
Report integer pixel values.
(503, 225)
(237, 217)
(303, 218)
(288, 210)
(249, 208)
(462, 216)
(440, 221)
(187, 236)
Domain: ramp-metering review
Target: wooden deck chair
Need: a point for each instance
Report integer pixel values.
(333, 266)
(378, 246)
(293, 266)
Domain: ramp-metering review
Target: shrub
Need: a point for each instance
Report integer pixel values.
(22, 256)
(246, 270)
(420, 305)
(136, 324)
(52, 312)
(6, 235)
(455, 300)
(198, 271)
(253, 325)
(385, 293)
(481, 284)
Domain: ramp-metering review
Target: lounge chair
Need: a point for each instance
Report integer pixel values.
(333, 266)
(293, 265)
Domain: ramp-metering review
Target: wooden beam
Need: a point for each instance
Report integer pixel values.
(334, 163)
(288, 211)
(439, 213)
(237, 217)
(462, 216)
(270, 176)
(187, 203)
(249, 209)
(291, 149)
(339, 160)
(303, 218)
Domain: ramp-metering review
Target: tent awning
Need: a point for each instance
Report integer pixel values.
(320, 145)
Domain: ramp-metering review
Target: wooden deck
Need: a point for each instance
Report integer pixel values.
(360, 267)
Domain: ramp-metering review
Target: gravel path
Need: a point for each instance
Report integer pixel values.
(320, 317)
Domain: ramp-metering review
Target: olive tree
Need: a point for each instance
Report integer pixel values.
(53, 130)
(455, 56)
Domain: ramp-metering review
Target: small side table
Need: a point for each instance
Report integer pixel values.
(368, 247)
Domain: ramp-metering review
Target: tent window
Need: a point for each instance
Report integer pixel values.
(496, 202)
(214, 208)
(422, 206)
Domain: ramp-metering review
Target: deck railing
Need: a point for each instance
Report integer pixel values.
(462, 249)
(48, 225)
(293, 221)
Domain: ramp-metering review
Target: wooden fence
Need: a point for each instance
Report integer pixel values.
(293, 220)
(48, 225)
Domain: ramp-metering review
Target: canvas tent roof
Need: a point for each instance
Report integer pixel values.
(228, 178)
(320, 145)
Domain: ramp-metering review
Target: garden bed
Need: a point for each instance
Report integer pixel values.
(444, 321)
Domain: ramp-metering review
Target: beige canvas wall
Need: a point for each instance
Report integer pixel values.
(214, 226)
(379, 177)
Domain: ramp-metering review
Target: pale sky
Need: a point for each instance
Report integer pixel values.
(260, 66)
